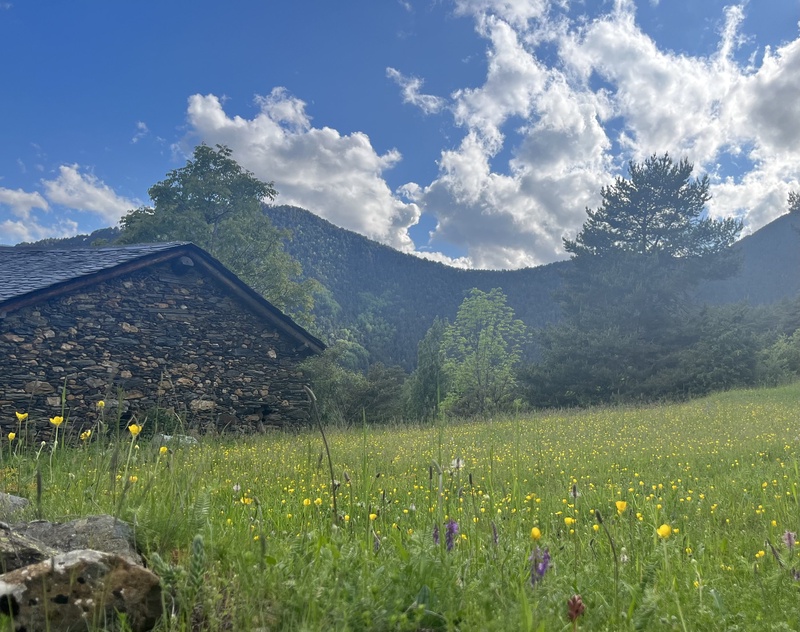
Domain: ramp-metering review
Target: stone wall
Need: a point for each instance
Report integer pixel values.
(162, 338)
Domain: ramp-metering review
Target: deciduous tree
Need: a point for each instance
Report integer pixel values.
(216, 204)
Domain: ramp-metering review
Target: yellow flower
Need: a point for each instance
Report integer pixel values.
(307, 502)
(85, 435)
(318, 501)
(21, 416)
(12, 436)
(621, 506)
(133, 479)
(57, 421)
(134, 429)
(569, 521)
(373, 516)
(760, 554)
(246, 501)
(346, 518)
(664, 531)
(596, 527)
(163, 449)
(535, 533)
(101, 404)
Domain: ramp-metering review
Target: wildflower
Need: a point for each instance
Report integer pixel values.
(457, 463)
(21, 416)
(318, 501)
(306, 502)
(436, 534)
(57, 420)
(623, 556)
(373, 516)
(245, 500)
(133, 478)
(664, 531)
(574, 492)
(451, 528)
(346, 518)
(760, 554)
(85, 435)
(789, 539)
(536, 533)
(540, 562)
(101, 404)
(163, 450)
(134, 429)
(575, 607)
(569, 521)
(236, 486)
(12, 436)
(621, 506)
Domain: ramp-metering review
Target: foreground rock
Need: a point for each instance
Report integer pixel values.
(102, 533)
(80, 590)
(10, 504)
(18, 550)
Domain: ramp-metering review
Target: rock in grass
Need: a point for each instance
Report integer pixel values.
(81, 590)
(18, 550)
(102, 533)
(10, 504)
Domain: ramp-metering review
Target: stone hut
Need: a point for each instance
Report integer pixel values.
(156, 331)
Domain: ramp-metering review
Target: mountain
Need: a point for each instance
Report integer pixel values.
(770, 266)
(386, 300)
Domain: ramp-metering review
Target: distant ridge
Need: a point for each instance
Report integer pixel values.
(386, 300)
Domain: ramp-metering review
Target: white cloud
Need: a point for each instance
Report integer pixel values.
(610, 86)
(411, 86)
(21, 202)
(85, 192)
(14, 232)
(141, 132)
(337, 177)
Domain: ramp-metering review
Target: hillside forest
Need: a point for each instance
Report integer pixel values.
(657, 302)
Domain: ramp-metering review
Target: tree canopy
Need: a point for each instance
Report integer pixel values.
(216, 204)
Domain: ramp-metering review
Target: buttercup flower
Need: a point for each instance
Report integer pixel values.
(664, 531)
(85, 435)
(134, 429)
(163, 450)
(101, 404)
(621, 506)
(12, 436)
(536, 533)
(21, 416)
(57, 420)
(569, 521)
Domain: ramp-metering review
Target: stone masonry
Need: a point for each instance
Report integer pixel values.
(156, 338)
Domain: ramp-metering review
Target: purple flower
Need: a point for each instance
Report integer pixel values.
(789, 538)
(451, 529)
(540, 562)
(436, 534)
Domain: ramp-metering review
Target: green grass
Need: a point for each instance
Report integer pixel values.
(722, 472)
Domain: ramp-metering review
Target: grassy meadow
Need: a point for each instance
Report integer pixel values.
(674, 517)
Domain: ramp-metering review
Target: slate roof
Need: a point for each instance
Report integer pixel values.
(29, 275)
(24, 270)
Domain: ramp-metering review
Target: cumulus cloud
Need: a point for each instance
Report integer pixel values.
(30, 229)
(21, 202)
(544, 132)
(411, 86)
(85, 192)
(339, 177)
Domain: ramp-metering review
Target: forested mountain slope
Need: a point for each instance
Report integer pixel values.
(386, 300)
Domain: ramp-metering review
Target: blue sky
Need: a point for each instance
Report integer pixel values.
(474, 132)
